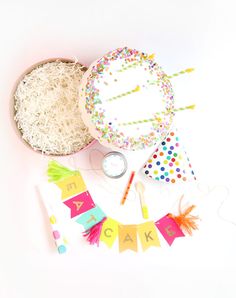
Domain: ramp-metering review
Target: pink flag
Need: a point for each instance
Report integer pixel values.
(169, 229)
(80, 203)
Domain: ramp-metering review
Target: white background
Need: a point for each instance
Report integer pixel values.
(182, 34)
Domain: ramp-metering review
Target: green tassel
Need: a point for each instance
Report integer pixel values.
(57, 172)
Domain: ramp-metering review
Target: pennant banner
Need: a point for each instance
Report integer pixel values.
(71, 186)
(91, 217)
(99, 227)
(148, 235)
(169, 229)
(109, 232)
(80, 204)
(127, 237)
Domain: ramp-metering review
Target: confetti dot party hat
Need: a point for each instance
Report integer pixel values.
(169, 163)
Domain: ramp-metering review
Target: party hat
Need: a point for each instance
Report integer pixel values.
(169, 163)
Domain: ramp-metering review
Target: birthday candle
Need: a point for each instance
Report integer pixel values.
(128, 188)
(191, 107)
(136, 89)
(188, 70)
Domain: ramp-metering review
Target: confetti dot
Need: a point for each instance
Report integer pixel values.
(177, 163)
(173, 180)
(65, 240)
(175, 154)
(162, 177)
(155, 172)
(177, 144)
(146, 172)
(52, 219)
(179, 176)
(168, 157)
(177, 139)
(173, 159)
(172, 171)
(169, 152)
(184, 178)
(168, 139)
(158, 163)
(190, 165)
(172, 147)
(150, 166)
(192, 172)
(165, 148)
(166, 174)
(165, 162)
(163, 143)
(162, 169)
(167, 179)
(61, 249)
(150, 160)
(157, 178)
(178, 170)
(154, 156)
(172, 134)
(161, 153)
(56, 234)
(171, 164)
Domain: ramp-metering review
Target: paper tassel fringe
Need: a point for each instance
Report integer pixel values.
(57, 172)
(185, 220)
(93, 234)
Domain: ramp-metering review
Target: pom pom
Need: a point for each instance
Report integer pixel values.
(93, 234)
(57, 172)
(185, 220)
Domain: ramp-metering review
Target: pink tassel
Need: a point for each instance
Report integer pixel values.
(93, 234)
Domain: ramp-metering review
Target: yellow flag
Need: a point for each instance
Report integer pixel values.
(109, 231)
(148, 235)
(71, 186)
(127, 237)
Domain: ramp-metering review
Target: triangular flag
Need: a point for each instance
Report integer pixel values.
(128, 237)
(148, 235)
(91, 217)
(169, 163)
(109, 232)
(71, 186)
(80, 203)
(169, 229)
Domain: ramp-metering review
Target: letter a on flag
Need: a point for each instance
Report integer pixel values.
(127, 237)
(80, 203)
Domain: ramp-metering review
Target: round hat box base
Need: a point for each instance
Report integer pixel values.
(13, 110)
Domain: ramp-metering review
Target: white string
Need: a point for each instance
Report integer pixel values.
(103, 180)
(221, 205)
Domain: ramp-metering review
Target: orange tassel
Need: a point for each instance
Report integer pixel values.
(185, 220)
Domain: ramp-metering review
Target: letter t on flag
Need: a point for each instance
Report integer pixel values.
(91, 217)
(169, 229)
